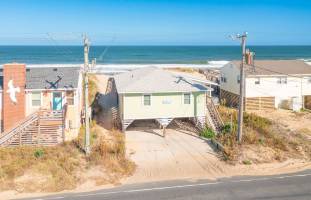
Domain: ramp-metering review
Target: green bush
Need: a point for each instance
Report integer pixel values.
(207, 133)
(38, 153)
(228, 129)
(247, 162)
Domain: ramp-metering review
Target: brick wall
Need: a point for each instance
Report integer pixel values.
(13, 112)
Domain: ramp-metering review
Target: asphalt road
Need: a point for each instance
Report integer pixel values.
(289, 186)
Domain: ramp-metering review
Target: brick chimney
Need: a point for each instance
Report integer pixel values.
(14, 80)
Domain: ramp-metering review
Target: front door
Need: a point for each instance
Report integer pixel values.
(57, 101)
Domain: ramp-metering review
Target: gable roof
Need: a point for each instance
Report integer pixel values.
(154, 80)
(276, 67)
(50, 78)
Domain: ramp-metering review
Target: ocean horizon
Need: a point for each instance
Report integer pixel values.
(126, 57)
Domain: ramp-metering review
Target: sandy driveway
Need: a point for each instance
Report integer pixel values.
(182, 156)
(176, 156)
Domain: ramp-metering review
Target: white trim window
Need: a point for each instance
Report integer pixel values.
(282, 80)
(309, 80)
(147, 100)
(187, 98)
(36, 99)
(257, 81)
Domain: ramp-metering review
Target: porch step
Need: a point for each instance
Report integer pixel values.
(213, 117)
(41, 128)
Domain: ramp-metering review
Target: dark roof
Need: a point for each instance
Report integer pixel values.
(50, 78)
(276, 67)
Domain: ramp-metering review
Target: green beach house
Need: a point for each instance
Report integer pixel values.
(154, 93)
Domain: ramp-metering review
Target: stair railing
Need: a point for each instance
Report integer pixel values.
(213, 110)
(18, 128)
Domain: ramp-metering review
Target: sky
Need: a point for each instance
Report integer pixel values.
(154, 22)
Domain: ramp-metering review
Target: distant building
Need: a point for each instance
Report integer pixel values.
(40, 104)
(269, 84)
(153, 93)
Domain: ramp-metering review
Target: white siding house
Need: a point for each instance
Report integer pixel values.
(269, 84)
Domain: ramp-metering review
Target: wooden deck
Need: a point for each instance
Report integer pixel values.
(44, 127)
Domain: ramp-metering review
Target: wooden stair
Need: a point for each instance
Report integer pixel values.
(44, 127)
(213, 117)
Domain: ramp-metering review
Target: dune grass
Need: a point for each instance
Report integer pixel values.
(259, 131)
(62, 167)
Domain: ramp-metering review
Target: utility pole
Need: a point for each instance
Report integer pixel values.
(242, 86)
(86, 95)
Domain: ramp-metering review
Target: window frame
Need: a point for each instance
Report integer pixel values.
(144, 99)
(184, 98)
(32, 100)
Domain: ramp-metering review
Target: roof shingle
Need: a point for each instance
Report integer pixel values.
(276, 67)
(154, 80)
(50, 78)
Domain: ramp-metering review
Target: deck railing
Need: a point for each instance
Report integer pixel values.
(44, 127)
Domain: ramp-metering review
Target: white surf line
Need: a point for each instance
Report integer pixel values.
(177, 186)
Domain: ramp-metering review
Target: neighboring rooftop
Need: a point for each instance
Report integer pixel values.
(276, 67)
(155, 80)
(50, 78)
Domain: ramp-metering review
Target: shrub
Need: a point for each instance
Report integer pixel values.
(228, 129)
(261, 140)
(207, 133)
(38, 153)
(247, 162)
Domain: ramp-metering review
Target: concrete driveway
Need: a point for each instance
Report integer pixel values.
(177, 156)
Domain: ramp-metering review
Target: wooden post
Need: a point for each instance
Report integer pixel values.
(164, 131)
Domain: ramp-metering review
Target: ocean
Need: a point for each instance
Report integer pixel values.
(133, 56)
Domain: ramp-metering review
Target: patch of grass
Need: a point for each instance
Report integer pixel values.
(207, 133)
(260, 131)
(229, 128)
(112, 154)
(184, 69)
(59, 163)
(247, 162)
(38, 153)
(250, 136)
(61, 167)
